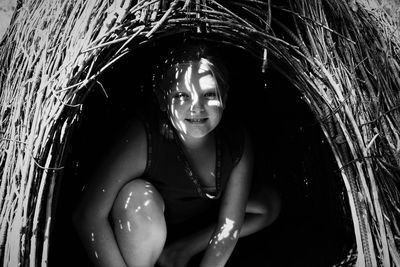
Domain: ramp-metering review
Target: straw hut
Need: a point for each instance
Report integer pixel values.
(342, 58)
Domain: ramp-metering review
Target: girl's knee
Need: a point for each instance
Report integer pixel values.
(138, 201)
(139, 224)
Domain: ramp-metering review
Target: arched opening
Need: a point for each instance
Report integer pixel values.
(314, 227)
(343, 53)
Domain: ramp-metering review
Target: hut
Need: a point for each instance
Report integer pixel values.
(339, 62)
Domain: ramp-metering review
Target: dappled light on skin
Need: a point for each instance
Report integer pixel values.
(214, 103)
(226, 232)
(149, 187)
(93, 242)
(188, 83)
(139, 204)
(194, 101)
(145, 202)
(128, 200)
(126, 223)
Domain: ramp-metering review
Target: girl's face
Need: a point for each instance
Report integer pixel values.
(194, 102)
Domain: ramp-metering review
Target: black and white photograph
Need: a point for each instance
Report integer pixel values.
(200, 133)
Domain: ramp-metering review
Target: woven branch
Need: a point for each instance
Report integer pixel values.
(343, 56)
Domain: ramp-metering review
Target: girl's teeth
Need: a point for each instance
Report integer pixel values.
(196, 120)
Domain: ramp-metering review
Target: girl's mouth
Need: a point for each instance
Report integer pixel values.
(195, 121)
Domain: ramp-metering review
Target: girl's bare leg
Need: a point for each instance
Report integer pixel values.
(263, 208)
(139, 224)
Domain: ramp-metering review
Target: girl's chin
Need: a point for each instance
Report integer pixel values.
(197, 133)
(194, 130)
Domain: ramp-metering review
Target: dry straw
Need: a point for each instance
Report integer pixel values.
(342, 55)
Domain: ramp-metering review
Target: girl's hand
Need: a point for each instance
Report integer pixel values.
(175, 255)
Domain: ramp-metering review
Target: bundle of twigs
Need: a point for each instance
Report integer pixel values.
(54, 51)
(351, 54)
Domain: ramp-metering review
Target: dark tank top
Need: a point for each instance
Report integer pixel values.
(186, 200)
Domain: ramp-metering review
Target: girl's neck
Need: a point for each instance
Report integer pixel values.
(196, 143)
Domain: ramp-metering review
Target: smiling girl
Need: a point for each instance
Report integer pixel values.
(178, 185)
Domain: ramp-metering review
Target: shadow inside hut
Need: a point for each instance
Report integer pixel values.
(313, 228)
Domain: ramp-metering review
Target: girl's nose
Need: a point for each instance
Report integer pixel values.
(197, 105)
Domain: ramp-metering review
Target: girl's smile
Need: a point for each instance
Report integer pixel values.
(197, 120)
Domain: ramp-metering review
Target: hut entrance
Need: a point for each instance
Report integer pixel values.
(314, 227)
(343, 56)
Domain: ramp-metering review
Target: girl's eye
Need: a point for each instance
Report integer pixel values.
(210, 95)
(181, 96)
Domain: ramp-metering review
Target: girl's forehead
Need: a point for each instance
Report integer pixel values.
(204, 66)
(197, 75)
(205, 82)
(208, 82)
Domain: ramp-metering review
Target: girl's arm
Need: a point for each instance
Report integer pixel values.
(125, 161)
(232, 211)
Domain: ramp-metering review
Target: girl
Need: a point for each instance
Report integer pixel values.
(188, 176)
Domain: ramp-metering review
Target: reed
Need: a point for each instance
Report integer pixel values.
(343, 56)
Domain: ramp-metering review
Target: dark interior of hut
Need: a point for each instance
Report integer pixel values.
(314, 227)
